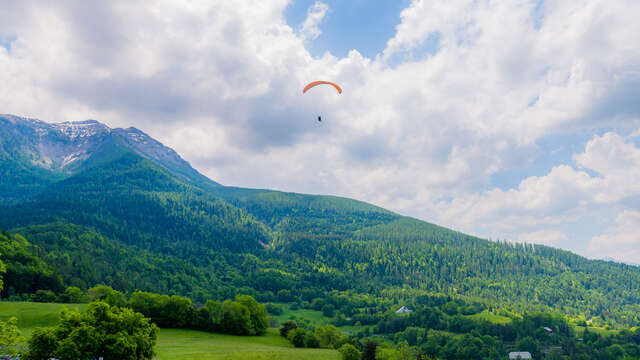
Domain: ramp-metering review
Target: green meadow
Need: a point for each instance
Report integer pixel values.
(313, 316)
(31, 315)
(189, 344)
(180, 344)
(496, 319)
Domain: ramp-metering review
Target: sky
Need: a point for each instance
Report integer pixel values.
(510, 120)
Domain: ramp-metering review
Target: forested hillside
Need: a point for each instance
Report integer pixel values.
(121, 217)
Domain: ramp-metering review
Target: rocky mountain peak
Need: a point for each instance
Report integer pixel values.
(81, 129)
(67, 146)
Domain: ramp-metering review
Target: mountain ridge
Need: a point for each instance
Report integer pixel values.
(65, 148)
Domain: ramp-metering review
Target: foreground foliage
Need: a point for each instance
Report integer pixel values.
(10, 336)
(182, 344)
(100, 331)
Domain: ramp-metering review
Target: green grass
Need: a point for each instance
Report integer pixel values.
(180, 344)
(31, 315)
(188, 344)
(496, 319)
(313, 316)
(596, 330)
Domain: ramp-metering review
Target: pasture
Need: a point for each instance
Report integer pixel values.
(178, 343)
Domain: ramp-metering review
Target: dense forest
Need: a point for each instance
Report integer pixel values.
(136, 222)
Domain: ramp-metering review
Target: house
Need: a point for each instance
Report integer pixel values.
(514, 355)
(403, 310)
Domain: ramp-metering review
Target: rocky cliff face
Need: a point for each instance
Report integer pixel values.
(66, 147)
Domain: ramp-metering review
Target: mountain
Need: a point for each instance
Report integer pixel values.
(35, 153)
(115, 206)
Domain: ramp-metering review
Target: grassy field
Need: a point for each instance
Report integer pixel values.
(180, 344)
(496, 319)
(31, 315)
(187, 344)
(597, 330)
(313, 316)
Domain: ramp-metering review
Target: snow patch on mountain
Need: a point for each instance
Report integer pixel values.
(65, 146)
(81, 129)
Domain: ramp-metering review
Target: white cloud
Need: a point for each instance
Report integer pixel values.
(564, 196)
(311, 25)
(220, 82)
(621, 241)
(617, 161)
(546, 237)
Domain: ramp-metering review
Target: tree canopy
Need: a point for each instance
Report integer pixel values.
(101, 330)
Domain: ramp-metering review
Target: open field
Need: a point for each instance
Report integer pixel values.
(187, 344)
(180, 344)
(597, 330)
(313, 316)
(31, 315)
(496, 319)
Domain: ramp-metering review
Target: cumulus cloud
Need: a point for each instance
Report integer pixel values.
(621, 241)
(462, 92)
(603, 181)
(311, 26)
(547, 237)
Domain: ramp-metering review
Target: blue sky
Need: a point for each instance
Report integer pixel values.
(6, 41)
(354, 24)
(506, 120)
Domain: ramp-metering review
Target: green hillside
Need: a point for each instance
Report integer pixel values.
(130, 220)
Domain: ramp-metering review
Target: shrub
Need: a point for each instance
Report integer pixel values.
(350, 352)
(328, 310)
(100, 331)
(328, 335)
(310, 340)
(286, 327)
(73, 295)
(297, 337)
(45, 296)
(274, 309)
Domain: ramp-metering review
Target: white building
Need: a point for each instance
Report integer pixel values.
(403, 310)
(515, 355)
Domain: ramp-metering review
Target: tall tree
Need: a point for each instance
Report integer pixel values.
(369, 350)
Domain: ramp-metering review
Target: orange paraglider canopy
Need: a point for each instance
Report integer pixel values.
(315, 83)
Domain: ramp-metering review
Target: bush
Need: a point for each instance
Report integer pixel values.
(310, 340)
(100, 331)
(350, 352)
(10, 336)
(42, 344)
(235, 318)
(274, 309)
(73, 295)
(44, 296)
(328, 335)
(328, 310)
(286, 327)
(297, 336)
(258, 321)
(106, 294)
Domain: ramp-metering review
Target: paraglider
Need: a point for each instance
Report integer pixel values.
(316, 83)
